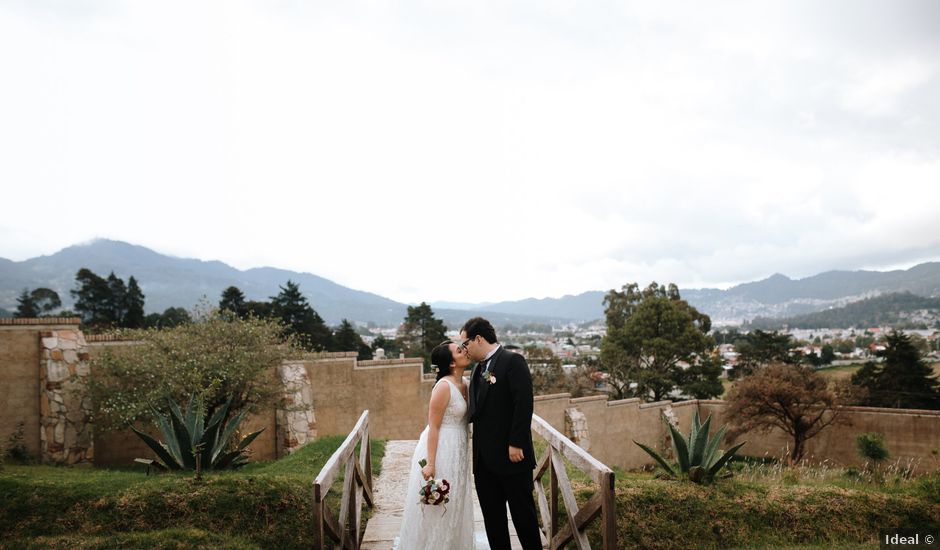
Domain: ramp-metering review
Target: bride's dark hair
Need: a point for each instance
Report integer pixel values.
(441, 357)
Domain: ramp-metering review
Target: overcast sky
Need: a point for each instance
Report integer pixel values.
(477, 151)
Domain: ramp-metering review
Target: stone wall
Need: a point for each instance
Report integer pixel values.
(911, 436)
(296, 422)
(393, 390)
(65, 434)
(19, 376)
(37, 357)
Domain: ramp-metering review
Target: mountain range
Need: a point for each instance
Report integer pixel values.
(169, 282)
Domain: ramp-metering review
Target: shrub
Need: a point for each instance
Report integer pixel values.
(218, 358)
(15, 448)
(871, 446)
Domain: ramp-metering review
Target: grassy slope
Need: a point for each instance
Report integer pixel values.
(265, 504)
(761, 512)
(663, 514)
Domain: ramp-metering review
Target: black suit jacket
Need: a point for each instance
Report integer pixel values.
(502, 414)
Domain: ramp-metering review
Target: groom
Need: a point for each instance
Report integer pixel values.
(503, 458)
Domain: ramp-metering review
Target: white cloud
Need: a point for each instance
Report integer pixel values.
(406, 148)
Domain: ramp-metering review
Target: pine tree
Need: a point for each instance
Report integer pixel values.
(421, 332)
(133, 305)
(117, 295)
(345, 338)
(26, 306)
(904, 380)
(92, 297)
(233, 300)
(292, 308)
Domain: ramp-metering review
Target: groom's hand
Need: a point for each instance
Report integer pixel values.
(515, 454)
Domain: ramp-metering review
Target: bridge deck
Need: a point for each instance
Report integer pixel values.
(389, 490)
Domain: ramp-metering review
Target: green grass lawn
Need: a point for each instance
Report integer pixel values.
(260, 506)
(764, 506)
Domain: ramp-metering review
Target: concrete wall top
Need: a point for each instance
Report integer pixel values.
(39, 323)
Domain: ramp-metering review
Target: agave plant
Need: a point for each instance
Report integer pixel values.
(697, 456)
(193, 444)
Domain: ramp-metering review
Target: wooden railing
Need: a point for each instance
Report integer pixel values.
(357, 486)
(601, 504)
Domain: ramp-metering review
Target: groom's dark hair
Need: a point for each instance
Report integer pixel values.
(478, 326)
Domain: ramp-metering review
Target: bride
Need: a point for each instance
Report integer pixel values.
(444, 445)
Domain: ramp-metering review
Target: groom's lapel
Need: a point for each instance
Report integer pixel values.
(485, 385)
(474, 385)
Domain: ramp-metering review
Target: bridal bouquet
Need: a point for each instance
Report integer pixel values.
(434, 492)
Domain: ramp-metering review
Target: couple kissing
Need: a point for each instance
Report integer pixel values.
(496, 399)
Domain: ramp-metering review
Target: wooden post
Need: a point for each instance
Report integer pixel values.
(609, 512)
(357, 486)
(573, 527)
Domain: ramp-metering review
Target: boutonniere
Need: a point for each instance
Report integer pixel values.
(489, 377)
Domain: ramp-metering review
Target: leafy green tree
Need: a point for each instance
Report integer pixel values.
(92, 298)
(46, 300)
(844, 345)
(650, 335)
(702, 379)
(133, 305)
(300, 319)
(345, 338)
(216, 358)
(26, 306)
(421, 332)
(173, 317)
(761, 348)
(903, 380)
(233, 300)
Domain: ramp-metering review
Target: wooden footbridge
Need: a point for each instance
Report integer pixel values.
(559, 529)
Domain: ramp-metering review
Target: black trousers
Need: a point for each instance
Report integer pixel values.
(494, 491)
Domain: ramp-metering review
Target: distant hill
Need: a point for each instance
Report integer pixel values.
(171, 282)
(168, 282)
(902, 308)
(777, 296)
(582, 307)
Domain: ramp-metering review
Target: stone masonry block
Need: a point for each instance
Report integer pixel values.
(57, 371)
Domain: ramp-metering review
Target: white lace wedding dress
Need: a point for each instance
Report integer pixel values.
(425, 527)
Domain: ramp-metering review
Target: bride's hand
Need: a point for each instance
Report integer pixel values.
(427, 472)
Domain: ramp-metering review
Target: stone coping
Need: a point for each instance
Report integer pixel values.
(552, 396)
(321, 355)
(389, 362)
(621, 402)
(40, 320)
(91, 338)
(589, 399)
(656, 404)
